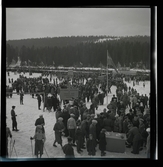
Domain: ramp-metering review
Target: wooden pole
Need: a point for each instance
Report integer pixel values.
(107, 80)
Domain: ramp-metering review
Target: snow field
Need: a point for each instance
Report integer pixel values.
(28, 113)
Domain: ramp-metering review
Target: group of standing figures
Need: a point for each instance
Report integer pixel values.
(83, 128)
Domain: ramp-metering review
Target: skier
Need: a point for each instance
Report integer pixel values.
(8, 134)
(40, 139)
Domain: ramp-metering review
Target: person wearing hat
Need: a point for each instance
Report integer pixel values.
(13, 118)
(92, 116)
(79, 138)
(102, 142)
(21, 97)
(71, 126)
(40, 121)
(39, 140)
(91, 145)
(39, 101)
(148, 143)
(58, 128)
(92, 129)
(65, 115)
(114, 98)
(68, 149)
(134, 137)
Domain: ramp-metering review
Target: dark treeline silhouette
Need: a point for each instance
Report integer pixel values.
(80, 50)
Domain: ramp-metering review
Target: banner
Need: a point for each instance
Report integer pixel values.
(101, 78)
(110, 62)
(69, 93)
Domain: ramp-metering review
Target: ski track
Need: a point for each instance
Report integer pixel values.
(28, 113)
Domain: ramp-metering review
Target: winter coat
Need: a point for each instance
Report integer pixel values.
(39, 142)
(84, 127)
(134, 135)
(68, 151)
(91, 144)
(71, 123)
(40, 121)
(78, 134)
(58, 114)
(108, 124)
(125, 126)
(102, 141)
(92, 130)
(58, 128)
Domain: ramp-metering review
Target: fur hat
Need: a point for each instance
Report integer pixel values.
(94, 121)
(148, 130)
(72, 115)
(60, 119)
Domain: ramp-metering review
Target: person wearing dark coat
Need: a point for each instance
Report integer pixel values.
(13, 117)
(54, 102)
(68, 149)
(79, 138)
(40, 121)
(108, 124)
(49, 103)
(134, 137)
(85, 129)
(21, 97)
(58, 112)
(131, 115)
(135, 121)
(58, 128)
(39, 101)
(92, 130)
(91, 145)
(65, 115)
(102, 142)
(99, 125)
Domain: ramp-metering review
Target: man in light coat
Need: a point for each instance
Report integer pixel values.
(71, 126)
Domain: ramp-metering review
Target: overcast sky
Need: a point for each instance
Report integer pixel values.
(22, 23)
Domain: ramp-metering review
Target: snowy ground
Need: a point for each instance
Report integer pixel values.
(28, 113)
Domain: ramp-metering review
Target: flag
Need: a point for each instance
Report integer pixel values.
(25, 63)
(118, 65)
(29, 62)
(110, 62)
(144, 67)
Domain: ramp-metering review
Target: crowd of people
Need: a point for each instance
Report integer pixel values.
(81, 125)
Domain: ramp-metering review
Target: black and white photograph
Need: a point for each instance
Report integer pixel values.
(78, 83)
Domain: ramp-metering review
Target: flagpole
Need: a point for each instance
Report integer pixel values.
(107, 80)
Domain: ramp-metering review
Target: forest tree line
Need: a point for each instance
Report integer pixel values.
(77, 51)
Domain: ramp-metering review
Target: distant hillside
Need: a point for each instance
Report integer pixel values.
(54, 41)
(76, 50)
(65, 41)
